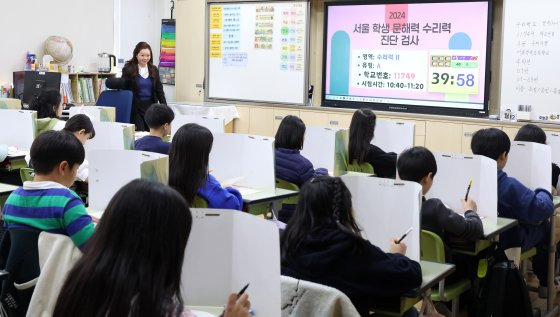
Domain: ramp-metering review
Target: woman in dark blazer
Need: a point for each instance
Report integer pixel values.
(142, 77)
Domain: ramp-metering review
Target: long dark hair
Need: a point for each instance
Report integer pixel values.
(45, 102)
(80, 122)
(323, 202)
(132, 264)
(361, 134)
(188, 159)
(133, 62)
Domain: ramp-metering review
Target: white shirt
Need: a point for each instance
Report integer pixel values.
(143, 71)
(42, 185)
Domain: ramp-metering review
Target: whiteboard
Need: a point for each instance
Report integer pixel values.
(531, 43)
(257, 51)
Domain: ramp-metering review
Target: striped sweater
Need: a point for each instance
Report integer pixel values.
(51, 207)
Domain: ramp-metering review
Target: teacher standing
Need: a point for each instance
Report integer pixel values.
(142, 78)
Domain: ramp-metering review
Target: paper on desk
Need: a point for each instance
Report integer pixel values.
(229, 182)
(13, 151)
(244, 191)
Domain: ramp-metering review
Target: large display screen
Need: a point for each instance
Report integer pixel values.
(417, 57)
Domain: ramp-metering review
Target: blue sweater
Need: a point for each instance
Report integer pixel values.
(519, 202)
(218, 197)
(293, 167)
(152, 143)
(144, 88)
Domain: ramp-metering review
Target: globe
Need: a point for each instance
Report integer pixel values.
(60, 48)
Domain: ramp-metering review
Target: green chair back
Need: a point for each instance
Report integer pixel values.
(361, 168)
(431, 247)
(26, 174)
(280, 183)
(199, 202)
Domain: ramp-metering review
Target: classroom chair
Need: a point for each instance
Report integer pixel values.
(10, 103)
(280, 183)
(361, 168)
(26, 174)
(432, 249)
(119, 99)
(199, 202)
(304, 298)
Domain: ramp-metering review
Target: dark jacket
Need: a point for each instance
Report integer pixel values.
(448, 224)
(384, 164)
(331, 257)
(293, 167)
(158, 96)
(519, 202)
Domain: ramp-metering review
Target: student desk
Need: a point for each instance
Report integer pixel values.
(14, 161)
(5, 191)
(552, 310)
(491, 232)
(432, 274)
(214, 310)
(258, 203)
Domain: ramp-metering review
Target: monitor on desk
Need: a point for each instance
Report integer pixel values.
(28, 84)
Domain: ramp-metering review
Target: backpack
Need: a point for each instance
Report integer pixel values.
(500, 290)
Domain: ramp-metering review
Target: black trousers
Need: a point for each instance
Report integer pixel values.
(138, 115)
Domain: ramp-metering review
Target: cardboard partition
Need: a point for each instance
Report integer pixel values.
(214, 124)
(393, 136)
(109, 170)
(385, 209)
(452, 180)
(319, 147)
(246, 159)
(111, 136)
(530, 163)
(18, 128)
(242, 249)
(95, 113)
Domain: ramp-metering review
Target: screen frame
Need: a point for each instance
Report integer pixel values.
(437, 110)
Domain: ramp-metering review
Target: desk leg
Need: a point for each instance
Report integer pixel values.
(275, 209)
(551, 265)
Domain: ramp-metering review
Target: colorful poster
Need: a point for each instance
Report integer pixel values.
(291, 38)
(264, 27)
(167, 52)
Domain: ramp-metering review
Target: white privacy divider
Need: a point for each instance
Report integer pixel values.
(110, 170)
(18, 128)
(319, 147)
(393, 136)
(241, 249)
(530, 163)
(214, 124)
(454, 172)
(385, 209)
(247, 159)
(111, 136)
(95, 113)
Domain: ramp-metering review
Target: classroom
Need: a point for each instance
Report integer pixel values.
(293, 158)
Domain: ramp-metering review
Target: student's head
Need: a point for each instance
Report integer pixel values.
(142, 55)
(159, 116)
(418, 165)
(56, 156)
(531, 133)
(290, 133)
(361, 134)
(493, 143)
(80, 125)
(188, 159)
(132, 264)
(324, 202)
(48, 104)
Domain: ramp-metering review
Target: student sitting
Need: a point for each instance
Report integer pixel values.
(132, 265)
(46, 203)
(80, 125)
(533, 133)
(322, 244)
(531, 208)
(158, 117)
(362, 151)
(48, 105)
(188, 169)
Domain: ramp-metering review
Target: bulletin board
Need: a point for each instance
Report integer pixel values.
(257, 51)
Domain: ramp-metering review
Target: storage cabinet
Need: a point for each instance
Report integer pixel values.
(443, 137)
(314, 118)
(261, 121)
(279, 115)
(241, 125)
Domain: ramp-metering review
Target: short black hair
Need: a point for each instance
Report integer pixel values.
(53, 147)
(158, 115)
(531, 133)
(490, 142)
(290, 133)
(415, 163)
(79, 122)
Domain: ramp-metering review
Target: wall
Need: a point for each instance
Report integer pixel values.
(27, 24)
(190, 50)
